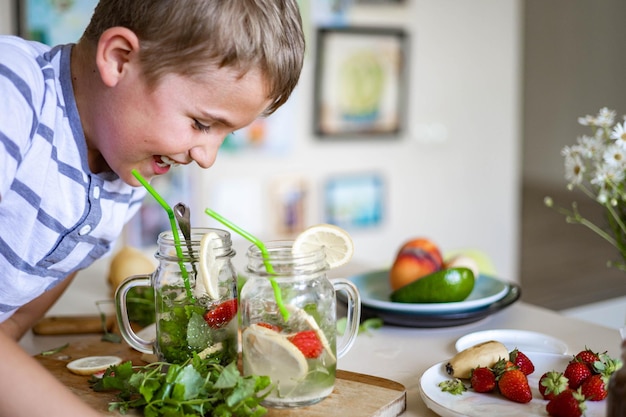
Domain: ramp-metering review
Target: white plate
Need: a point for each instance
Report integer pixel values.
(523, 340)
(374, 289)
(472, 404)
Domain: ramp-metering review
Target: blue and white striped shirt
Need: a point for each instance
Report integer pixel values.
(56, 216)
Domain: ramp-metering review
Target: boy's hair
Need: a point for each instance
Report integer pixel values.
(184, 36)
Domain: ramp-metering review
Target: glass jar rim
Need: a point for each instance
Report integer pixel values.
(285, 263)
(166, 242)
(280, 250)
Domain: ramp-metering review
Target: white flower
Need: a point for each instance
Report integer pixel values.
(574, 169)
(615, 157)
(596, 165)
(605, 118)
(619, 134)
(591, 146)
(608, 176)
(587, 120)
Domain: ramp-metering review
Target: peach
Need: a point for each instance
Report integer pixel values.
(415, 259)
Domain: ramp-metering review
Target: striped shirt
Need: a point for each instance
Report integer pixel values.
(56, 216)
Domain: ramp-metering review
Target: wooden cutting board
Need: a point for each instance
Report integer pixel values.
(355, 394)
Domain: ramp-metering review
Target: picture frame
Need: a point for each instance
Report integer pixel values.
(354, 201)
(53, 22)
(360, 82)
(289, 205)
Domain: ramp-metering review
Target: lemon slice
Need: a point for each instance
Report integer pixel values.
(92, 364)
(299, 315)
(267, 352)
(335, 242)
(209, 266)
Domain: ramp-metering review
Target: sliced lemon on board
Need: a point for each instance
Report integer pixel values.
(267, 352)
(209, 266)
(92, 364)
(335, 242)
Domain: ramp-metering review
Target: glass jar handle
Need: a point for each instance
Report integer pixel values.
(121, 311)
(353, 315)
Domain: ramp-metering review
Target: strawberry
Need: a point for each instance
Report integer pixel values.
(552, 383)
(522, 361)
(588, 357)
(606, 365)
(483, 379)
(513, 384)
(501, 366)
(567, 404)
(222, 314)
(595, 388)
(269, 326)
(308, 343)
(576, 372)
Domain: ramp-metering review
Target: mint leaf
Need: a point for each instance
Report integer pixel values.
(229, 377)
(190, 381)
(198, 332)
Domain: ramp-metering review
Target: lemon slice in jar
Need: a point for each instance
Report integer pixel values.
(297, 316)
(92, 364)
(208, 282)
(267, 352)
(335, 242)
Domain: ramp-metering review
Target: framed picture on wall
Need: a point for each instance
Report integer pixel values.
(53, 22)
(360, 82)
(354, 201)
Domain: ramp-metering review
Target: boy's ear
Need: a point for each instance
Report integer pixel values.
(118, 49)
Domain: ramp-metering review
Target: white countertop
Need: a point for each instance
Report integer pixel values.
(403, 354)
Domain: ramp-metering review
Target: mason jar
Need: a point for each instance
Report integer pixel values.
(195, 299)
(289, 323)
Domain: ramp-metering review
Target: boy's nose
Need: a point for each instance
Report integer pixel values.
(204, 155)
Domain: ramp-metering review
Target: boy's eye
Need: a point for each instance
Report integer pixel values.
(201, 127)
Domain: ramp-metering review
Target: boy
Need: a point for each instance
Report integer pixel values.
(150, 85)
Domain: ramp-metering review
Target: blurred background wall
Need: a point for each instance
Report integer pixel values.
(452, 175)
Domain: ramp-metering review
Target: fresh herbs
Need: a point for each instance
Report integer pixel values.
(196, 387)
(183, 331)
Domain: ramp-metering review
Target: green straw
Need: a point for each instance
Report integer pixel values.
(266, 261)
(170, 214)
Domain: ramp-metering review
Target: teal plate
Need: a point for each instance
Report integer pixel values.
(437, 320)
(375, 290)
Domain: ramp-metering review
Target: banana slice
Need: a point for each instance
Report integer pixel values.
(482, 354)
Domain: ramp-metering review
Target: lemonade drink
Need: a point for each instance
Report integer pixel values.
(297, 350)
(303, 373)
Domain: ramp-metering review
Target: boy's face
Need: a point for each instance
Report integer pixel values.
(180, 121)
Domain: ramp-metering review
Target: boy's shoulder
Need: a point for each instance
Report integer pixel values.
(28, 63)
(16, 47)
(23, 57)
